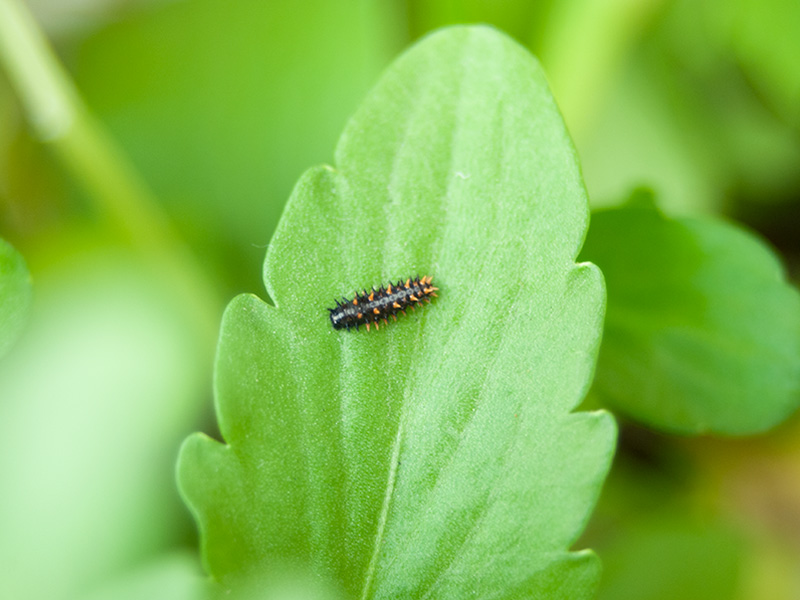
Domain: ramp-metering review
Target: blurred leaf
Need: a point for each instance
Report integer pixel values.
(221, 105)
(669, 556)
(93, 403)
(702, 330)
(435, 457)
(15, 295)
(653, 540)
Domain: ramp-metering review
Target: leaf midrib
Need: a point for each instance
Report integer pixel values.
(369, 576)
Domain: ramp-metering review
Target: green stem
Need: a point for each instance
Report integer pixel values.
(59, 117)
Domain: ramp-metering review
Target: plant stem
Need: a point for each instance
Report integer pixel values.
(59, 117)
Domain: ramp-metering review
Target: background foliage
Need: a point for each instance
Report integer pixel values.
(220, 107)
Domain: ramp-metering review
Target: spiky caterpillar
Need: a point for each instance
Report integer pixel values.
(369, 307)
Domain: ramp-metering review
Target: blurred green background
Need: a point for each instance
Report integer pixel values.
(219, 107)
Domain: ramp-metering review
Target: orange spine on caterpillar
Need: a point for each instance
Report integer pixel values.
(369, 307)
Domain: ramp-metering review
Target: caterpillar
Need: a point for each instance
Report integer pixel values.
(369, 307)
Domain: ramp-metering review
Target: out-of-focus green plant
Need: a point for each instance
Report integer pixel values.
(653, 543)
(763, 37)
(15, 295)
(93, 402)
(221, 106)
(189, 124)
(702, 332)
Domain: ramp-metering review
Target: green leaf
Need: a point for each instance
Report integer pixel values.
(702, 329)
(15, 295)
(436, 457)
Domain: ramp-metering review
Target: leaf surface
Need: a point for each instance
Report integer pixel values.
(436, 457)
(15, 295)
(702, 329)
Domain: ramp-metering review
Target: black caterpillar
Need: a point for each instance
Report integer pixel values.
(370, 307)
